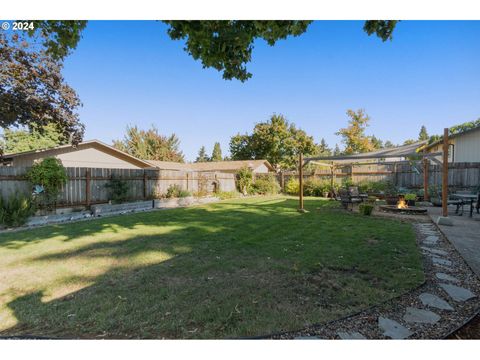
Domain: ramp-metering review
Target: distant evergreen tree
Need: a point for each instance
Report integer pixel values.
(202, 155)
(323, 149)
(388, 144)
(377, 143)
(216, 153)
(337, 150)
(423, 135)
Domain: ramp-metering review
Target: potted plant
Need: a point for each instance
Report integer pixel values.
(410, 199)
(366, 209)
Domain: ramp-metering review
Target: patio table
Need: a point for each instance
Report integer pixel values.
(468, 199)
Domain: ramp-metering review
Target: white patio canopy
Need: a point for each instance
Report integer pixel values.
(394, 155)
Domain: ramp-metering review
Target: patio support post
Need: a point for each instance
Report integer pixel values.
(332, 178)
(300, 179)
(445, 174)
(426, 197)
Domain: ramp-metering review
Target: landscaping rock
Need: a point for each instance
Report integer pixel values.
(306, 338)
(434, 251)
(457, 293)
(446, 277)
(440, 261)
(107, 209)
(414, 315)
(393, 329)
(434, 301)
(350, 335)
(431, 239)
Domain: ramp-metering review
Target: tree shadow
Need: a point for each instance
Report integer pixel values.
(203, 272)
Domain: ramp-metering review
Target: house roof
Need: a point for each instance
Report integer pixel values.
(212, 165)
(93, 143)
(394, 152)
(429, 146)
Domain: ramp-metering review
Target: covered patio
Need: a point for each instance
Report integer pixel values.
(412, 154)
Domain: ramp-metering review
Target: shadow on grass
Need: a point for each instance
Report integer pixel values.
(229, 269)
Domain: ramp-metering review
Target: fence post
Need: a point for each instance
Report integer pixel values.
(144, 184)
(87, 186)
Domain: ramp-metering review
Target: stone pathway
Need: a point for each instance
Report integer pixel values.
(447, 292)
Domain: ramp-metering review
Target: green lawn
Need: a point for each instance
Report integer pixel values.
(235, 268)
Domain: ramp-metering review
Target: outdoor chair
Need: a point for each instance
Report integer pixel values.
(347, 198)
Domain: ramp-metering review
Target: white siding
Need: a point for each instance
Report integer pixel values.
(467, 147)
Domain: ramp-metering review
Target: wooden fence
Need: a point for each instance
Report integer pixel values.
(86, 186)
(460, 175)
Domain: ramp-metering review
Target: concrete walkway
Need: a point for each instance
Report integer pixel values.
(464, 235)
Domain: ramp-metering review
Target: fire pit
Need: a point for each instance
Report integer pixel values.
(411, 210)
(403, 208)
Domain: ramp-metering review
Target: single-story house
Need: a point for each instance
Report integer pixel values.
(92, 153)
(463, 146)
(257, 166)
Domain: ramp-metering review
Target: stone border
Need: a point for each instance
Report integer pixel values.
(446, 301)
(107, 210)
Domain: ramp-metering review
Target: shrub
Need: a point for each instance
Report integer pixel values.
(292, 187)
(173, 191)
(16, 210)
(267, 185)
(184, 193)
(118, 190)
(245, 180)
(410, 197)
(365, 209)
(315, 187)
(50, 175)
(223, 195)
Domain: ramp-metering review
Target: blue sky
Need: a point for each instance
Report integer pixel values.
(130, 72)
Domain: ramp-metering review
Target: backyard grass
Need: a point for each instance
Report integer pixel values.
(237, 268)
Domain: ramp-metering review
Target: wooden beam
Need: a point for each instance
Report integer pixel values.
(300, 174)
(445, 174)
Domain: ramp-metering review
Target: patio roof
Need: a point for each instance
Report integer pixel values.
(399, 152)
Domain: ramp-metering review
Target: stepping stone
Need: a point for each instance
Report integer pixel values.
(350, 335)
(446, 277)
(414, 315)
(393, 329)
(457, 293)
(431, 239)
(434, 251)
(440, 261)
(434, 301)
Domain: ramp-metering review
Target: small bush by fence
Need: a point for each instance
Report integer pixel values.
(86, 186)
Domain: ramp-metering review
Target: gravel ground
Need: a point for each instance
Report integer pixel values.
(366, 322)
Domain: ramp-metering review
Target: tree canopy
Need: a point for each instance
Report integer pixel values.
(15, 141)
(353, 136)
(276, 140)
(33, 92)
(150, 145)
(225, 45)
